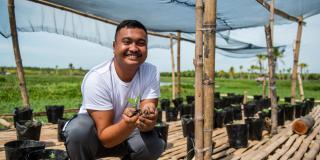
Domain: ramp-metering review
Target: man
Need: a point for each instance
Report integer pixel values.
(107, 124)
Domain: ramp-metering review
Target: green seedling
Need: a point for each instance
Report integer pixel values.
(218, 110)
(52, 156)
(134, 104)
(265, 110)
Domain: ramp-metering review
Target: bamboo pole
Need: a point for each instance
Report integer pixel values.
(264, 79)
(300, 87)
(173, 70)
(264, 86)
(271, 64)
(178, 64)
(16, 50)
(209, 26)
(198, 63)
(296, 51)
(278, 12)
(272, 82)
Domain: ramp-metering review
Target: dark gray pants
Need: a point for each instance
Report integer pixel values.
(82, 142)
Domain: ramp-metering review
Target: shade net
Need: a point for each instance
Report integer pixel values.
(166, 16)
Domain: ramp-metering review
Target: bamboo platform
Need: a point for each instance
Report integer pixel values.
(284, 145)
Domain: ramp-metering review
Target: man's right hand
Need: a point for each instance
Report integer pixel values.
(129, 117)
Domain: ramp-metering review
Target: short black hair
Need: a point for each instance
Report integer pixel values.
(129, 24)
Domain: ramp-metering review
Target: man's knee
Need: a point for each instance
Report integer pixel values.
(149, 149)
(80, 137)
(80, 128)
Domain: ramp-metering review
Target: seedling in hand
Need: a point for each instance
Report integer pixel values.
(134, 104)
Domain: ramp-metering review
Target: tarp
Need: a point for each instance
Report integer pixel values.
(158, 15)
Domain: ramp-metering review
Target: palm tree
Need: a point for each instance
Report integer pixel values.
(221, 74)
(278, 55)
(302, 67)
(71, 68)
(231, 72)
(261, 58)
(241, 67)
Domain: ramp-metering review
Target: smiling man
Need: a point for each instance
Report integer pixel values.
(106, 124)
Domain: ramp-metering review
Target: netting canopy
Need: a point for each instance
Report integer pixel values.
(158, 15)
(174, 15)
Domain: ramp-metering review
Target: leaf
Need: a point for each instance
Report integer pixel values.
(131, 101)
(134, 102)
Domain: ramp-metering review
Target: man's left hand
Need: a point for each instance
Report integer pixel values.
(148, 119)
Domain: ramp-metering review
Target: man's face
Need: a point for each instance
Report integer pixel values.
(130, 46)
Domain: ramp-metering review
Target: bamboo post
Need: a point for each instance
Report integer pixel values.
(172, 67)
(272, 82)
(264, 86)
(209, 27)
(178, 64)
(16, 50)
(300, 87)
(271, 63)
(296, 51)
(198, 63)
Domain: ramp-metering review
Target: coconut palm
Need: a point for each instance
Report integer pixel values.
(241, 67)
(302, 67)
(261, 58)
(71, 67)
(221, 74)
(278, 55)
(231, 72)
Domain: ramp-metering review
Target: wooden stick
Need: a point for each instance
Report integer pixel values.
(272, 82)
(5, 123)
(278, 12)
(178, 65)
(198, 62)
(296, 51)
(261, 154)
(300, 87)
(16, 50)
(209, 27)
(173, 70)
(313, 151)
(284, 148)
(293, 148)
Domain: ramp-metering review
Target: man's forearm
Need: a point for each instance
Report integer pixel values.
(116, 134)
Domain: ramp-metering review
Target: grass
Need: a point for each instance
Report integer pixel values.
(65, 90)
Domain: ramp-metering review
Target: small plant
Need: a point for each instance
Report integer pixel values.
(218, 109)
(52, 156)
(265, 110)
(134, 104)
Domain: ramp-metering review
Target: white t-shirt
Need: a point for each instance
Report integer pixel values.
(102, 89)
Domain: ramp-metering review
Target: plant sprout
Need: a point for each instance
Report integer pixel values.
(52, 156)
(134, 102)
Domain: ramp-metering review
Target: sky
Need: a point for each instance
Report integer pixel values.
(43, 49)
